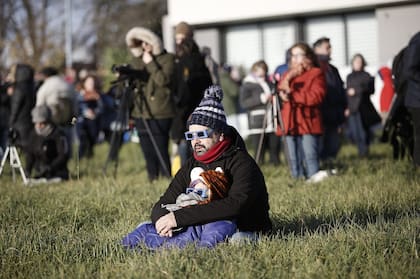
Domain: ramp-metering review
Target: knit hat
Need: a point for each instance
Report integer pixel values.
(41, 114)
(184, 28)
(210, 112)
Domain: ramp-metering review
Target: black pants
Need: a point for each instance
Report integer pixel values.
(156, 157)
(415, 115)
(271, 143)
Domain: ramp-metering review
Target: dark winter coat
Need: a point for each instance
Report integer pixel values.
(22, 102)
(153, 94)
(191, 78)
(48, 156)
(363, 84)
(4, 109)
(335, 101)
(412, 72)
(247, 200)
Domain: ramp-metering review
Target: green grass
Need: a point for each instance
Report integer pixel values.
(362, 223)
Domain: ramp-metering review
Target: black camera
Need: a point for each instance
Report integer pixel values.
(125, 71)
(12, 136)
(4, 86)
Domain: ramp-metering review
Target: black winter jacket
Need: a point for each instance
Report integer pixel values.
(22, 102)
(247, 200)
(191, 79)
(363, 84)
(48, 156)
(335, 102)
(412, 72)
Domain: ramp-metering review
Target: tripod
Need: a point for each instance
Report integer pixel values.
(15, 162)
(122, 119)
(120, 126)
(278, 121)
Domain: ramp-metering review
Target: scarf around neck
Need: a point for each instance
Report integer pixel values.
(213, 152)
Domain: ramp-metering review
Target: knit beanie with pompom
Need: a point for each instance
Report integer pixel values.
(210, 111)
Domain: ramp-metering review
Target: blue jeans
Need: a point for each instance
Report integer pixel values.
(358, 133)
(303, 155)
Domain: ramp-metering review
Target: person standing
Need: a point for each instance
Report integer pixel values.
(412, 97)
(211, 64)
(230, 90)
(192, 77)
(334, 103)
(60, 97)
(255, 97)
(387, 91)
(361, 112)
(153, 101)
(302, 90)
(22, 101)
(90, 110)
(5, 92)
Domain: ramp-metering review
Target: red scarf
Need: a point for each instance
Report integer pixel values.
(213, 152)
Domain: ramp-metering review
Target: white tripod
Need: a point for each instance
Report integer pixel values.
(14, 162)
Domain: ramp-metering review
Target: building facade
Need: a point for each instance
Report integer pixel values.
(240, 32)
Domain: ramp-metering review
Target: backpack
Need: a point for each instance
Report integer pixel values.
(64, 111)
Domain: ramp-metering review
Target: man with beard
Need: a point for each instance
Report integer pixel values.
(216, 146)
(48, 153)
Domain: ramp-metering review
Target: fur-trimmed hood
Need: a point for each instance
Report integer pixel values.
(145, 35)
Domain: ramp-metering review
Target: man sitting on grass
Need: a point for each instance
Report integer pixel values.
(48, 153)
(216, 146)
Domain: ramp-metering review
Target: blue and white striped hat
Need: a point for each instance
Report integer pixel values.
(210, 111)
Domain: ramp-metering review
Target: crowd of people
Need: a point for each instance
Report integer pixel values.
(303, 107)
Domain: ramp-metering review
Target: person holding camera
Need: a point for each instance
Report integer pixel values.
(153, 108)
(49, 153)
(302, 90)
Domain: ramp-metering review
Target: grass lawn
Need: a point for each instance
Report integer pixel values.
(362, 223)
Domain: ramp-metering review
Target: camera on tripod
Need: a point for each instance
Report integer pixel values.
(125, 71)
(12, 136)
(4, 86)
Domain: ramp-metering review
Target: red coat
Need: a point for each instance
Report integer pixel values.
(387, 92)
(302, 113)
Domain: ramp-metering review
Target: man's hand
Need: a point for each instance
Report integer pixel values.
(165, 224)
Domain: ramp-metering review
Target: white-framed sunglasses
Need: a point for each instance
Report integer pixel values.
(198, 134)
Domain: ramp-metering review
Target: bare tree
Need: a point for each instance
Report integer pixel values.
(31, 34)
(5, 18)
(33, 31)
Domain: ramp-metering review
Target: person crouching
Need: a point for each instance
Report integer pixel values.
(48, 154)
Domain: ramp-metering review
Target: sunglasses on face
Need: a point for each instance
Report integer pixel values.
(201, 192)
(198, 134)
